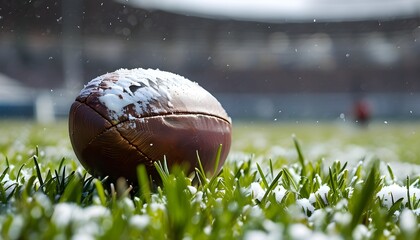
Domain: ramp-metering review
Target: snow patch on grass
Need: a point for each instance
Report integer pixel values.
(256, 191)
(85, 221)
(322, 192)
(306, 205)
(139, 221)
(392, 193)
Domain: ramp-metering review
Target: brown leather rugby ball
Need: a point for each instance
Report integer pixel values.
(131, 117)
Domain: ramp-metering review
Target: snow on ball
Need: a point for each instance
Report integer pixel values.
(131, 117)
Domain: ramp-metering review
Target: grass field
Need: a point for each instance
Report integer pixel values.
(330, 181)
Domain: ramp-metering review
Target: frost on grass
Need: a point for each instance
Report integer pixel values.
(278, 200)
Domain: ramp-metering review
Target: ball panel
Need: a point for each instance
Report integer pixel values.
(85, 124)
(178, 137)
(111, 155)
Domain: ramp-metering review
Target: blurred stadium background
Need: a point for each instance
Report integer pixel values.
(267, 59)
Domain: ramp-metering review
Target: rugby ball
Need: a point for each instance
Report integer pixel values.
(127, 118)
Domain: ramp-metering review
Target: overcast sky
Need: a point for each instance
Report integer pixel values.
(290, 10)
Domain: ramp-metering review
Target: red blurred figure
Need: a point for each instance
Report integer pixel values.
(362, 112)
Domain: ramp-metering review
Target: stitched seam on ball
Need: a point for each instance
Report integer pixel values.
(146, 117)
(177, 114)
(151, 116)
(154, 115)
(125, 139)
(150, 161)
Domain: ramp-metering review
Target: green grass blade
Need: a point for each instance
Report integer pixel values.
(363, 197)
(73, 190)
(30, 186)
(217, 160)
(262, 175)
(63, 178)
(165, 165)
(408, 193)
(391, 173)
(7, 162)
(3, 198)
(16, 187)
(36, 151)
(416, 204)
(19, 171)
(300, 155)
(273, 184)
(333, 180)
(61, 164)
(4, 173)
(200, 165)
(289, 179)
(396, 206)
(161, 171)
(271, 168)
(38, 170)
(144, 183)
(343, 168)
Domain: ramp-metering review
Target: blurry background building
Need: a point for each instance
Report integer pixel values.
(262, 59)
